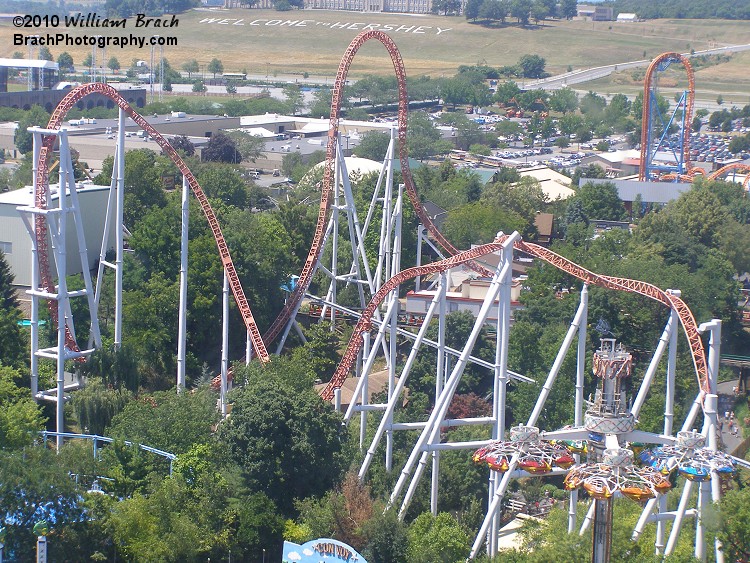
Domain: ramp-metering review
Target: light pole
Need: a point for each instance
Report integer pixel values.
(264, 555)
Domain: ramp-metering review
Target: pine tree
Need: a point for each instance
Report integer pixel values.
(8, 298)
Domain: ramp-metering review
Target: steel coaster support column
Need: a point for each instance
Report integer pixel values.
(502, 338)
(82, 250)
(393, 322)
(601, 547)
(108, 220)
(60, 252)
(671, 371)
(355, 235)
(182, 322)
(679, 516)
(586, 524)
(432, 428)
(119, 227)
(439, 380)
(224, 344)
(711, 411)
(420, 236)
(493, 507)
(382, 271)
(399, 386)
(661, 527)
(704, 490)
(335, 242)
(578, 415)
(34, 337)
(665, 338)
(644, 517)
(574, 326)
(363, 381)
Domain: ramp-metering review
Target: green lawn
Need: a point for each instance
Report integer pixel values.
(263, 41)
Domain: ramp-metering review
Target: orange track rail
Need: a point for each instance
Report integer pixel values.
(739, 166)
(689, 102)
(41, 202)
(632, 286)
(403, 110)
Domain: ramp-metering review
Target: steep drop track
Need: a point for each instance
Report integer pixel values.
(41, 202)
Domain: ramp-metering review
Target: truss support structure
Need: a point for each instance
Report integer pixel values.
(60, 220)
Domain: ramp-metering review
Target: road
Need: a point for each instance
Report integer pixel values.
(586, 75)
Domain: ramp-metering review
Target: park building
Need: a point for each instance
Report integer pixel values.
(395, 6)
(15, 241)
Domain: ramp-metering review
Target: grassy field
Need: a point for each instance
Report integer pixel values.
(430, 45)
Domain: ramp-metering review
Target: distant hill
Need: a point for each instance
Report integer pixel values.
(692, 9)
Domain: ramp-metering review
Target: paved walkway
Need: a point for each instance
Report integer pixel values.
(726, 404)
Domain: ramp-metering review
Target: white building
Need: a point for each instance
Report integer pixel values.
(16, 243)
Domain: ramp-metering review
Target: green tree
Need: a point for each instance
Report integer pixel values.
(532, 65)
(13, 343)
(168, 420)
(568, 8)
(434, 539)
(45, 54)
(95, 405)
(35, 117)
(520, 9)
(471, 10)
(424, 139)
(373, 145)
(221, 148)
(387, 539)
(601, 201)
(215, 67)
(563, 100)
(293, 95)
(35, 486)
(113, 64)
(250, 147)
(477, 223)
(65, 60)
(190, 67)
(286, 441)
(734, 528)
(199, 86)
(20, 417)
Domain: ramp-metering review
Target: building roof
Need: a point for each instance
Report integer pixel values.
(650, 192)
(553, 184)
(626, 16)
(24, 63)
(25, 196)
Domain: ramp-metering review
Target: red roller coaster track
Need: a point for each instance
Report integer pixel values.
(645, 123)
(364, 324)
(403, 112)
(739, 166)
(632, 286)
(41, 202)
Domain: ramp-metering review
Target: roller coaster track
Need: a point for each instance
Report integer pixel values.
(328, 176)
(622, 284)
(42, 184)
(739, 166)
(658, 64)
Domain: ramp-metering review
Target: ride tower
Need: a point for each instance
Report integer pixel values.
(656, 127)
